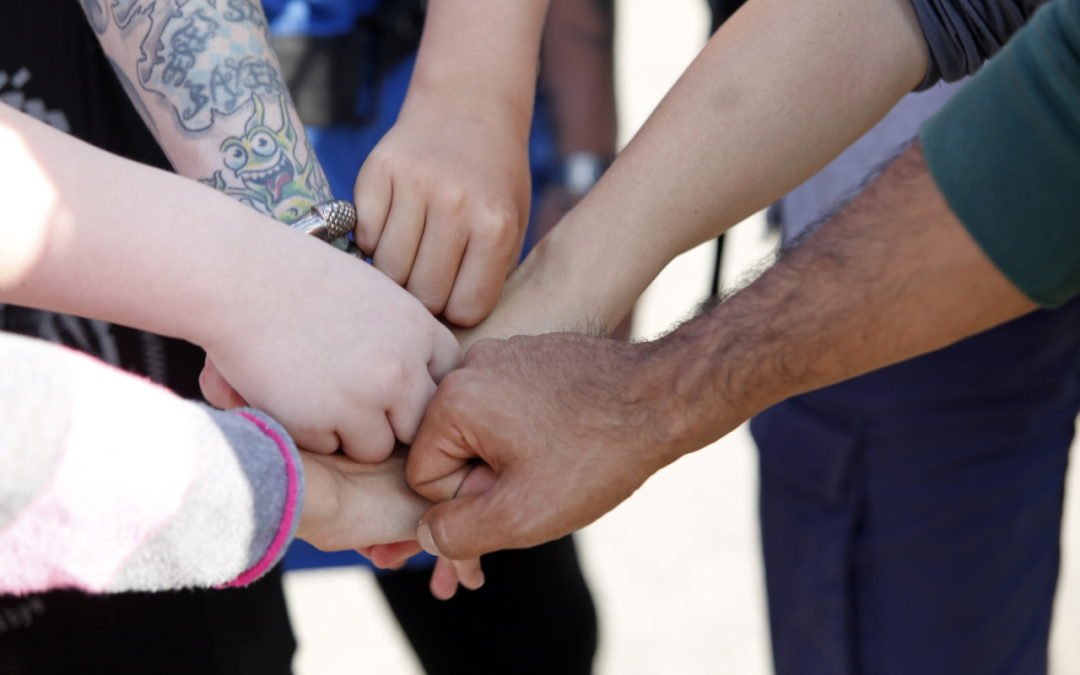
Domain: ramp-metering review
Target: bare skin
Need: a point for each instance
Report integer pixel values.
(893, 276)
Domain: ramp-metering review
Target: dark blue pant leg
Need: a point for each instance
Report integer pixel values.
(808, 507)
(910, 518)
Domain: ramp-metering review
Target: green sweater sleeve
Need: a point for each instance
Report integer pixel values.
(1005, 153)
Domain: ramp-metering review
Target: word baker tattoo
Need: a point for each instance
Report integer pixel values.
(188, 52)
(265, 162)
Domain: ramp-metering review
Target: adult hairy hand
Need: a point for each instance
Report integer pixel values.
(334, 350)
(564, 423)
(443, 201)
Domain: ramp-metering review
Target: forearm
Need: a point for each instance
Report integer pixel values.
(485, 52)
(108, 238)
(780, 90)
(112, 484)
(205, 80)
(894, 275)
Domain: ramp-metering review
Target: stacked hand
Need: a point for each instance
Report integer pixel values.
(371, 508)
(335, 351)
(446, 224)
(563, 433)
(345, 359)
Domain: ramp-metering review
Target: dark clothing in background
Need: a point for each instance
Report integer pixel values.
(534, 616)
(242, 631)
(911, 517)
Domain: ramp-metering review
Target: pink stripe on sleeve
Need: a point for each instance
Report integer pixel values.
(288, 518)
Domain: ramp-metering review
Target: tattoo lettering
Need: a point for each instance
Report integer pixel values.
(246, 11)
(207, 65)
(199, 56)
(185, 45)
(264, 168)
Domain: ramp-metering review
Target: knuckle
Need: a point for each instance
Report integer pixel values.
(314, 439)
(432, 295)
(391, 374)
(418, 472)
(449, 390)
(468, 309)
(391, 265)
(453, 401)
(452, 198)
(419, 322)
(496, 224)
(482, 351)
(381, 160)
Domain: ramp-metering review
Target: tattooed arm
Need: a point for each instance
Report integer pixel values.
(207, 84)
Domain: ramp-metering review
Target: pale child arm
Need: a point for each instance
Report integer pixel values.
(110, 483)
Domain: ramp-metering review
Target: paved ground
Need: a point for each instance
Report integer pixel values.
(676, 571)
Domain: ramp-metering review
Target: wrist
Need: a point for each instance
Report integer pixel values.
(552, 291)
(263, 268)
(648, 389)
(449, 88)
(485, 53)
(320, 500)
(567, 257)
(708, 377)
(454, 97)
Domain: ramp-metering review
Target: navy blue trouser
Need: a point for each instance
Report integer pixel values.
(911, 517)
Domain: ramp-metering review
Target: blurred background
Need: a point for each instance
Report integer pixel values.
(675, 571)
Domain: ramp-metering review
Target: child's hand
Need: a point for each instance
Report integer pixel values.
(443, 201)
(447, 573)
(332, 349)
(370, 507)
(351, 505)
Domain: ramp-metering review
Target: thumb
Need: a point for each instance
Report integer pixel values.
(216, 390)
(469, 526)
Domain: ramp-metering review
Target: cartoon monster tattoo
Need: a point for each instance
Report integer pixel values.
(265, 164)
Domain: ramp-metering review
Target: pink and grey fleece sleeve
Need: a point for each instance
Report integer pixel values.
(110, 483)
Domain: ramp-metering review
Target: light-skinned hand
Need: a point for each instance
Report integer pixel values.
(334, 350)
(443, 201)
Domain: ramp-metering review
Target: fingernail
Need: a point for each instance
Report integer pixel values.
(476, 583)
(445, 595)
(427, 542)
